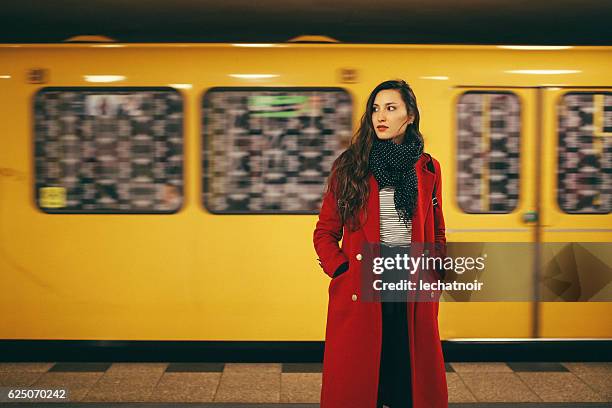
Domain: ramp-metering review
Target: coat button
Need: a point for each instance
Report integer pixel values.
(359, 257)
(432, 295)
(354, 297)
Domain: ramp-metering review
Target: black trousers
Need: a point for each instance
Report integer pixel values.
(394, 386)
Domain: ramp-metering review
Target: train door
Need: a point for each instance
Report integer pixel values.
(490, 200)
(575, 205)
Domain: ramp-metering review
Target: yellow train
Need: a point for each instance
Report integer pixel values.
(170, 191)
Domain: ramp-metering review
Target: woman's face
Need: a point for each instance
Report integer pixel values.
(390, 116)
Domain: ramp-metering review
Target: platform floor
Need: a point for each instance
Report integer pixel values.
(476, 385)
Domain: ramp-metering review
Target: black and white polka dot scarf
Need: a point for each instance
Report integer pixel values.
(393, 165)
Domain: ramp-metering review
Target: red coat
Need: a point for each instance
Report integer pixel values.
(354, 329)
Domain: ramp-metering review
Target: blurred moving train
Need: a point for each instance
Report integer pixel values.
(170, 191)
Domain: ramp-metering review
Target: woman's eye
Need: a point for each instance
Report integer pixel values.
(391, 108)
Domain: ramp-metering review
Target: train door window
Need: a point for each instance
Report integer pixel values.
(269, 150)
(584, 159)
(488, 146)
(108, 150)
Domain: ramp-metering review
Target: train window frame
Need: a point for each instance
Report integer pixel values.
(203, 137)
(559, 103)
(104, 90)
(519, 147)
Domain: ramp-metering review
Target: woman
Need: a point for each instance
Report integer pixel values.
(382, 189)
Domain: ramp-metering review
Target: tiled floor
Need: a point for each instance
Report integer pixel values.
(259, 385)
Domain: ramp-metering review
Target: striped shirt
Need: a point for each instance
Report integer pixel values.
(393, 232)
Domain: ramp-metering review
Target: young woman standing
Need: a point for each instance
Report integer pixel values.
(382, 189)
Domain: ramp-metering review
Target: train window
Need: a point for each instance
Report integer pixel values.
(584, 161)
(488, 141)
(269, 150)
(108, 150)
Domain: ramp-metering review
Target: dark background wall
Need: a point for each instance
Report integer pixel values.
(527, 22)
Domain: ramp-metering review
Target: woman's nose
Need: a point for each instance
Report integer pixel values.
(380, 116)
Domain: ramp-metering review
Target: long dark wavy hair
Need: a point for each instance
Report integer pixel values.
(348, 178)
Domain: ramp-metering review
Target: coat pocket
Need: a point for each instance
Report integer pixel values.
(338, 280)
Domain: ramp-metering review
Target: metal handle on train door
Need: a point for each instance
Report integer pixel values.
(530, 217)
